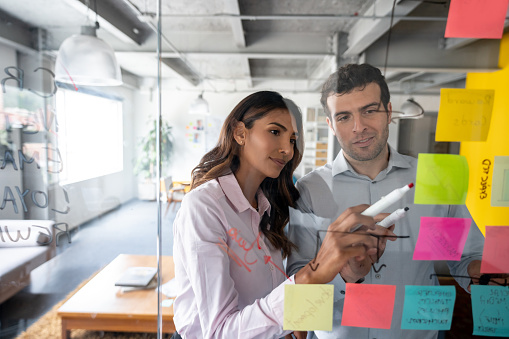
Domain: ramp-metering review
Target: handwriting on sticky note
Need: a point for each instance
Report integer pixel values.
(476, 19)
(368, 305)
(490, 310)
(464, 114)
(442, 179)
(308, 307)
(500, 182)
(441, 238)
(495, 258)
(428, 307)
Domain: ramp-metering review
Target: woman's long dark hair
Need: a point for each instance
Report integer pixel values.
(224, 159)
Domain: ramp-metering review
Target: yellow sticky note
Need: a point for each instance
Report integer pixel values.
(481, 153)
(500, 183)
(464, 114)
(442, 179)
(308, 307)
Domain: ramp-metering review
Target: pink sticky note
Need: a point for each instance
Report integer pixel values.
(441, 238)
(368, 305)
(476, 19)
(495, 257)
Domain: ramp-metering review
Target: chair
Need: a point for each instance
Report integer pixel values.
(176, 192)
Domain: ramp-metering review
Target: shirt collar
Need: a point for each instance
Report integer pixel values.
(231, 189)
(396, 160)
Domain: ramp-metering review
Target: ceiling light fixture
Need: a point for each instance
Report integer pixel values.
(410, 109)
(84, 59)
(199, 106)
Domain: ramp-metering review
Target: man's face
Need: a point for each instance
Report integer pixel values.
(360, 123)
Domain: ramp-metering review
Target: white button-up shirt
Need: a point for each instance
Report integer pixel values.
(230, 279)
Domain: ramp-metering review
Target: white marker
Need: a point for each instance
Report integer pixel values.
(393, 217)
(385, 202)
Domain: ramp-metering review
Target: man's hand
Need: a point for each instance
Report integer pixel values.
(358, 267)
(339, 246)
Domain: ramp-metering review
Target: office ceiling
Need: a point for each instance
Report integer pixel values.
(246, 45)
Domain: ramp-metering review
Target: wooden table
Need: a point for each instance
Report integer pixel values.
(100, 305)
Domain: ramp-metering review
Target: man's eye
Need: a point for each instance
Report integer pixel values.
(342, 118)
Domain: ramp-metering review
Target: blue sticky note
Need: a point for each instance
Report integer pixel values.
(490, 310)
(428, 307)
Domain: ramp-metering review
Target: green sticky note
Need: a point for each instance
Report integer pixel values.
(442, 179)
(428, 307)
(308, 307)
(500, 183)
(490, 310)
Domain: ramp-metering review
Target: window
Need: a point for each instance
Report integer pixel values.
(90, 135)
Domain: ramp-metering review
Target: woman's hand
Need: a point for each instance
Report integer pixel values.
(339, 246)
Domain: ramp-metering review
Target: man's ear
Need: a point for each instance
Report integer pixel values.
(330, 125)
(239, 133)
(389, 109)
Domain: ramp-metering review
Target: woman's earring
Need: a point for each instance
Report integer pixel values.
(241, 143)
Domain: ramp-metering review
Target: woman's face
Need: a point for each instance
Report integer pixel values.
(268, 145)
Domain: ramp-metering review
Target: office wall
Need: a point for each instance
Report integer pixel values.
(175, 109)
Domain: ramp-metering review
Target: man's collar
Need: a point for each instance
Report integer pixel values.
(341, 165)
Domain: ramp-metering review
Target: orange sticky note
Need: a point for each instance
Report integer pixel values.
(476, 19)
(495, 257)
(368, 305)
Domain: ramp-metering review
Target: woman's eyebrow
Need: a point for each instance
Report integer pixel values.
(279, 125)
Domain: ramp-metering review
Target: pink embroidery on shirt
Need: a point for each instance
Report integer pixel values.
(232, 254)
(235, 235)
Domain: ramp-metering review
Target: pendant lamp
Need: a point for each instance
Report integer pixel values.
(199, 106)
(410, 109)
(84, 59)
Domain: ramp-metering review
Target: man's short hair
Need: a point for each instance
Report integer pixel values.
(351, 76)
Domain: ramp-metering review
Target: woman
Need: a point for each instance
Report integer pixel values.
(229, 239)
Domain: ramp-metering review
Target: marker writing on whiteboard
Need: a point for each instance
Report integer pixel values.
(385, 202)
(393, 217)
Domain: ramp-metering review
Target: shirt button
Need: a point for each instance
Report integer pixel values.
(342, 292)
(378, 276)
(271, 267)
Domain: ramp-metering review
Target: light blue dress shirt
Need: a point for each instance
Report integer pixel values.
(329, 190)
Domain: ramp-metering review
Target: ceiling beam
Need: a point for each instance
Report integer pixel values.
(411, 52)
(429, 80)
(232, 6)
(250, 55)
(365, 32)
(17, 34)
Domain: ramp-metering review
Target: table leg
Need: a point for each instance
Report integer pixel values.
(66, 334)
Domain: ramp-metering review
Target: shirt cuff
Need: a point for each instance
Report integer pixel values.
(276, 299)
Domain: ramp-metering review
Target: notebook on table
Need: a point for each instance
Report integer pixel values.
(136, 277)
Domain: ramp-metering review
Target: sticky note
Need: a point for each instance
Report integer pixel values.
(428, 307)
(476, 19)
(441, 179)
(495, 257)
(500, 182)
(481, 154)
(308, 307)
(368, 305)
(490, 310)
(441, 238)
(464, 114)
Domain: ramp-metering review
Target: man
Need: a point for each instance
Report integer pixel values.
(356, 100)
